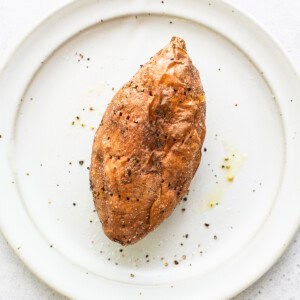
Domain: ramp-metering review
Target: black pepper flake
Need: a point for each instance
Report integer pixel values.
(181, 244)
(87, 168)
(81, 162)
(215, 237)
(147, 255)
(206, 225)
(91, 221)
(183, 209)
(219, 69)
(185, 199)
(74, 204)
(171, 22)
(162, 2)
(176, 262)
(121, 250)
(0, 136)
(205, 149)
(51, 246)
(189, 89)
(186, 236)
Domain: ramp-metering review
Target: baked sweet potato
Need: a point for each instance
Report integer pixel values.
(148, 145)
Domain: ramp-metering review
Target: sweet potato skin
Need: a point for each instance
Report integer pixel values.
(148, 145)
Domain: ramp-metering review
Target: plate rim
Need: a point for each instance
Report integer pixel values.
(246, 16)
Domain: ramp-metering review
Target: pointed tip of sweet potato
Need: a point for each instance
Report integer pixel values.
(178, 42)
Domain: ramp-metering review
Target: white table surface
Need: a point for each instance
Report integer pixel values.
(280, 17)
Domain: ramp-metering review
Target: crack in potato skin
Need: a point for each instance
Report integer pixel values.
(148, 145)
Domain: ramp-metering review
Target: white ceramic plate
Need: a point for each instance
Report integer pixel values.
(76, 60)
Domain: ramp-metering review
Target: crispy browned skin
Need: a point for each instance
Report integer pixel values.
(148, 146)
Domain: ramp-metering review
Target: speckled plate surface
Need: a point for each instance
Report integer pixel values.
(242, 208)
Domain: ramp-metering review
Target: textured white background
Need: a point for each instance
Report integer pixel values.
(280, 17)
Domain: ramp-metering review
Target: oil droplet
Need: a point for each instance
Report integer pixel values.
(212, 200)
(231, 164)
(230, 178)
